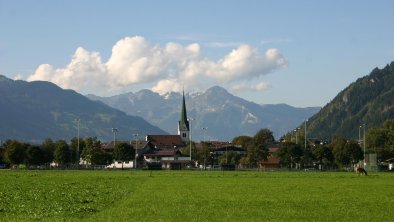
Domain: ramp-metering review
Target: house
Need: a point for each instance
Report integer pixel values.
(165, 141)
(391, 164)
(140, 146)
(168, 158)
(272, 161)
(160, 149)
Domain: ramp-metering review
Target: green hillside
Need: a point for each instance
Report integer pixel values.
(369, 100)
(34, 111)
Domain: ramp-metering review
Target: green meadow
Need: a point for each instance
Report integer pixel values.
(194, 196)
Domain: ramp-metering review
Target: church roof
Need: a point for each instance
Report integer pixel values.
(165, 141)
(183, 120)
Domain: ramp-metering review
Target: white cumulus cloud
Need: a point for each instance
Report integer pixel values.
(251, 87)
(135, 61)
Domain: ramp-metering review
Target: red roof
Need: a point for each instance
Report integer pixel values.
(271, 161)
(163, 152)
(165, 141)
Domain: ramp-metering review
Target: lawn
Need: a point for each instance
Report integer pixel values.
(194, 196)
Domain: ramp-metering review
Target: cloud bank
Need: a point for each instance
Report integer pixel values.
(135, 61)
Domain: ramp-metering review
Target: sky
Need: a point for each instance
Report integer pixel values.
(302, 53)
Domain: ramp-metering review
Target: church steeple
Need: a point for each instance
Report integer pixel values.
(183, 124)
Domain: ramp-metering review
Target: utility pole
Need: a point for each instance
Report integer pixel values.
(136, 149)
(78, 121)
(205, 150)
(364, 143)
(114, 130)
(190, 137)
(305, 132)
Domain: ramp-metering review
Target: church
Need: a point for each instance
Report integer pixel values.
(159, 151)
(163, 150)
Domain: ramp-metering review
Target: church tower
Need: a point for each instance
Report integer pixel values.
(183, 124)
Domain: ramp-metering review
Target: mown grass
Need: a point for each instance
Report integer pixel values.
(194, 196)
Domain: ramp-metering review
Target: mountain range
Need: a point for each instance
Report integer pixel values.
(34, 111)
(369, 101)
(223, 115)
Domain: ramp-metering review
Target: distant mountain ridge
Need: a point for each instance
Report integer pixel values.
(34, 111)
(369, 100)
(223, 114)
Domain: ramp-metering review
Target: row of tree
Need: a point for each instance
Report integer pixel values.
(292, 152)
(89, 150)
(339, 153)
(380, 140)
(256, 146)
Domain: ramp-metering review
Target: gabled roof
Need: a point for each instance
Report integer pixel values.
(165, 141)
(391, 160)
(163, 152)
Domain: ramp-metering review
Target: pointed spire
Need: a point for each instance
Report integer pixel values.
(183, 120)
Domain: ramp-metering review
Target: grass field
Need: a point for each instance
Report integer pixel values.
(194, 196)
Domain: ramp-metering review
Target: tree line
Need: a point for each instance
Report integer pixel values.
(89, 150)
(291, 152)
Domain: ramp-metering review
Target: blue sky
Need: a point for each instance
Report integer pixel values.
(297, 52)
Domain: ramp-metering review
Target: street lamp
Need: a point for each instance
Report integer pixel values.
(359, 135)
(305, 132)
(114, 130)
(364, 142)
(297, 135)
(205, 152)
(190, 137)
(78, 121)
(136, 148)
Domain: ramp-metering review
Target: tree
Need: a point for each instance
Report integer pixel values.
(99, 157)
(93, 153)
(243, 141)
(289, 153)
(74, 149)
(48, 147)
(381, 140)
(123, 152)
(62, 152)
(337, 147)
(258, 150)
(92, 147)
(14, 152)
(186, 150)
(323, 155)
(230, 157)
(2, 159)
(354, 151)
(203, 154)
(346, 152)
(35, 155)
(263, 136)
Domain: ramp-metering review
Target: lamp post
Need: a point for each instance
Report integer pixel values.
(78, 121)
(205, 152)
(190, 137)
(364, 142)
(359, 135)
(136, 149)
(297, 135)
(305, 132)
(114, 131)
(295, 131)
